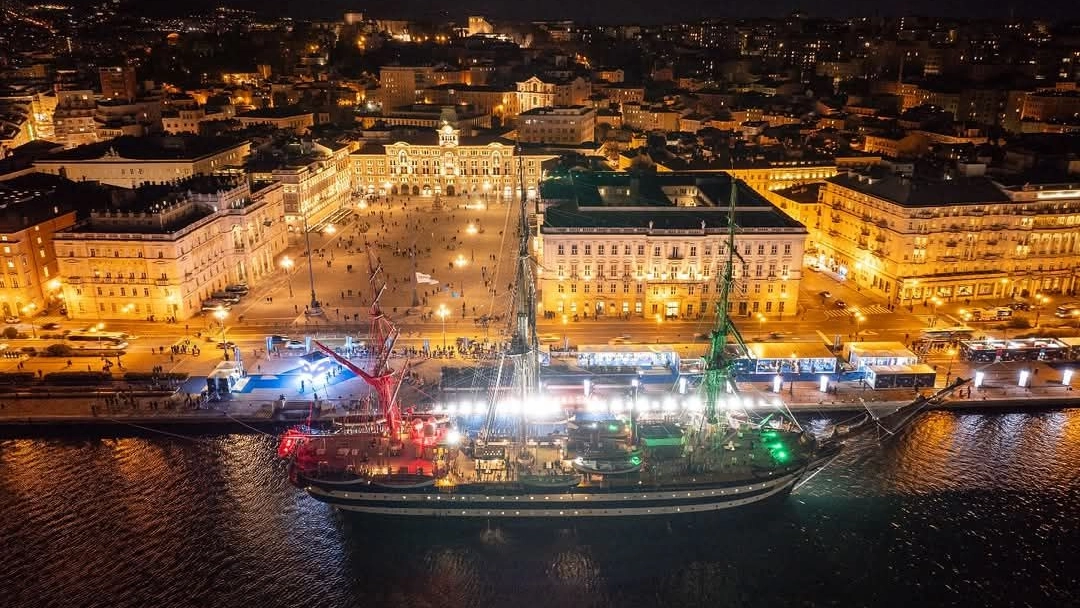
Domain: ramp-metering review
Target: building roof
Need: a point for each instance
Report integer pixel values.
(920, 192)
(287, 112)
(173, 147)
(618, 200)
(806, 194)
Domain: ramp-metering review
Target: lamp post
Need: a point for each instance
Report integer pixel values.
(443, 312)
(287, 264)
(221, 314)
(28, 310)
(565, 340)
(936, 301)
(859, 318)
(761, 324)
(952, 358)
(314, 309)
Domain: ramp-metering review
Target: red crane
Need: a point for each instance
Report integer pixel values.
(382, 336)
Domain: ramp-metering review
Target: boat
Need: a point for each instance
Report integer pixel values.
(706, 453)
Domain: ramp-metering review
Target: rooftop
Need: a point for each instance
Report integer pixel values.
(174, 147)
(908, 192)
(618, 200)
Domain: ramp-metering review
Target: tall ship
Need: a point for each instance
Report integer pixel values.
(519, 454)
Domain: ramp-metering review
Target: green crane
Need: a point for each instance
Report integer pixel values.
(719, 376)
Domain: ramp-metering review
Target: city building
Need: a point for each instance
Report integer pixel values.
(401, 85)
(537, 93)
(286, 119)
(571, 125)
(316, 183)
(30, 215)
(73, 118)
(653, 246)
(129, 162)
(445, 162)
(167, 248)
(911, 240)
(499, 102)
(118, 83)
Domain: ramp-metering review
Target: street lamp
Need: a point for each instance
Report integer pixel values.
(314, 309)
(566, 341)
(443, 313)
(28, 310)
(287, 264)
(221, 314)
(761, 324)
(936, 301)
(952, 358)
(859, 318)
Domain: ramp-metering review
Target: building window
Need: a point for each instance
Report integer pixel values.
(787, 251)
(573, 249)
(772, 249)
(562, 249)
(561, 289)
(641, 249)
(588, 249)
(573, 288)
(761, 249)
(656, 251)
(599, 249)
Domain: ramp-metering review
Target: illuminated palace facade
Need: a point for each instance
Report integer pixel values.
(167, 253)
(445, 163)
(654, 246)
(912, 240)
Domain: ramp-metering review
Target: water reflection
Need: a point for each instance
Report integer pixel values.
(949, 505)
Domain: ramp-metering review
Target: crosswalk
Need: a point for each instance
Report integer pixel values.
(873, 309)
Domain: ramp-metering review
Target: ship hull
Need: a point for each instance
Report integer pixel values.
(609, 503)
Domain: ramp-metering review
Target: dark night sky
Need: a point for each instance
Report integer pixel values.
(630, 11)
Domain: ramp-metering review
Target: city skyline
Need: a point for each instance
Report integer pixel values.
(618, 12)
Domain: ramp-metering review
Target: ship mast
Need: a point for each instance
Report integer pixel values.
(523, 343)
(719, 376)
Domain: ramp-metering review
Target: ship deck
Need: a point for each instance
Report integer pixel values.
(731, 457)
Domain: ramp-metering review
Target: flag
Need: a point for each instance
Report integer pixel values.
(425, 279)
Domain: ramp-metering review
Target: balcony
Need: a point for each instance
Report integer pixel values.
(864, 231)
(991, 242)
(863, 244)
(951, 243)
(161, 282)
(949, 258)
(676, 256)
(880, 253)
(74, 280)
(834, 232)
(836, 218)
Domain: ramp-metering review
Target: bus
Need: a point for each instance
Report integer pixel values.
(97, 340)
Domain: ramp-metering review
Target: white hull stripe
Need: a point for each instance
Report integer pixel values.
(526, 512)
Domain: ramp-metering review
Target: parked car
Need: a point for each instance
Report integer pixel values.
(825, 295)
(213, 305)
(50, 326)
(548, 338)
(295, 345)
(239, 289)
(278, 339)
(11, 320)
(840, 304)
(1020, 306)
(225, 296)
(619, 340)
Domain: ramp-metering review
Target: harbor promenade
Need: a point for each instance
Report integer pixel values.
(275, 392)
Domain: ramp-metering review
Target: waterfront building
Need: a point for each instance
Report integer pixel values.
(652, 246)
(130, 162)
(167, 248)
(30, 214)
(911, 240)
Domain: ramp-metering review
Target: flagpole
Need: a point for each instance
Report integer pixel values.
(416, 281)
